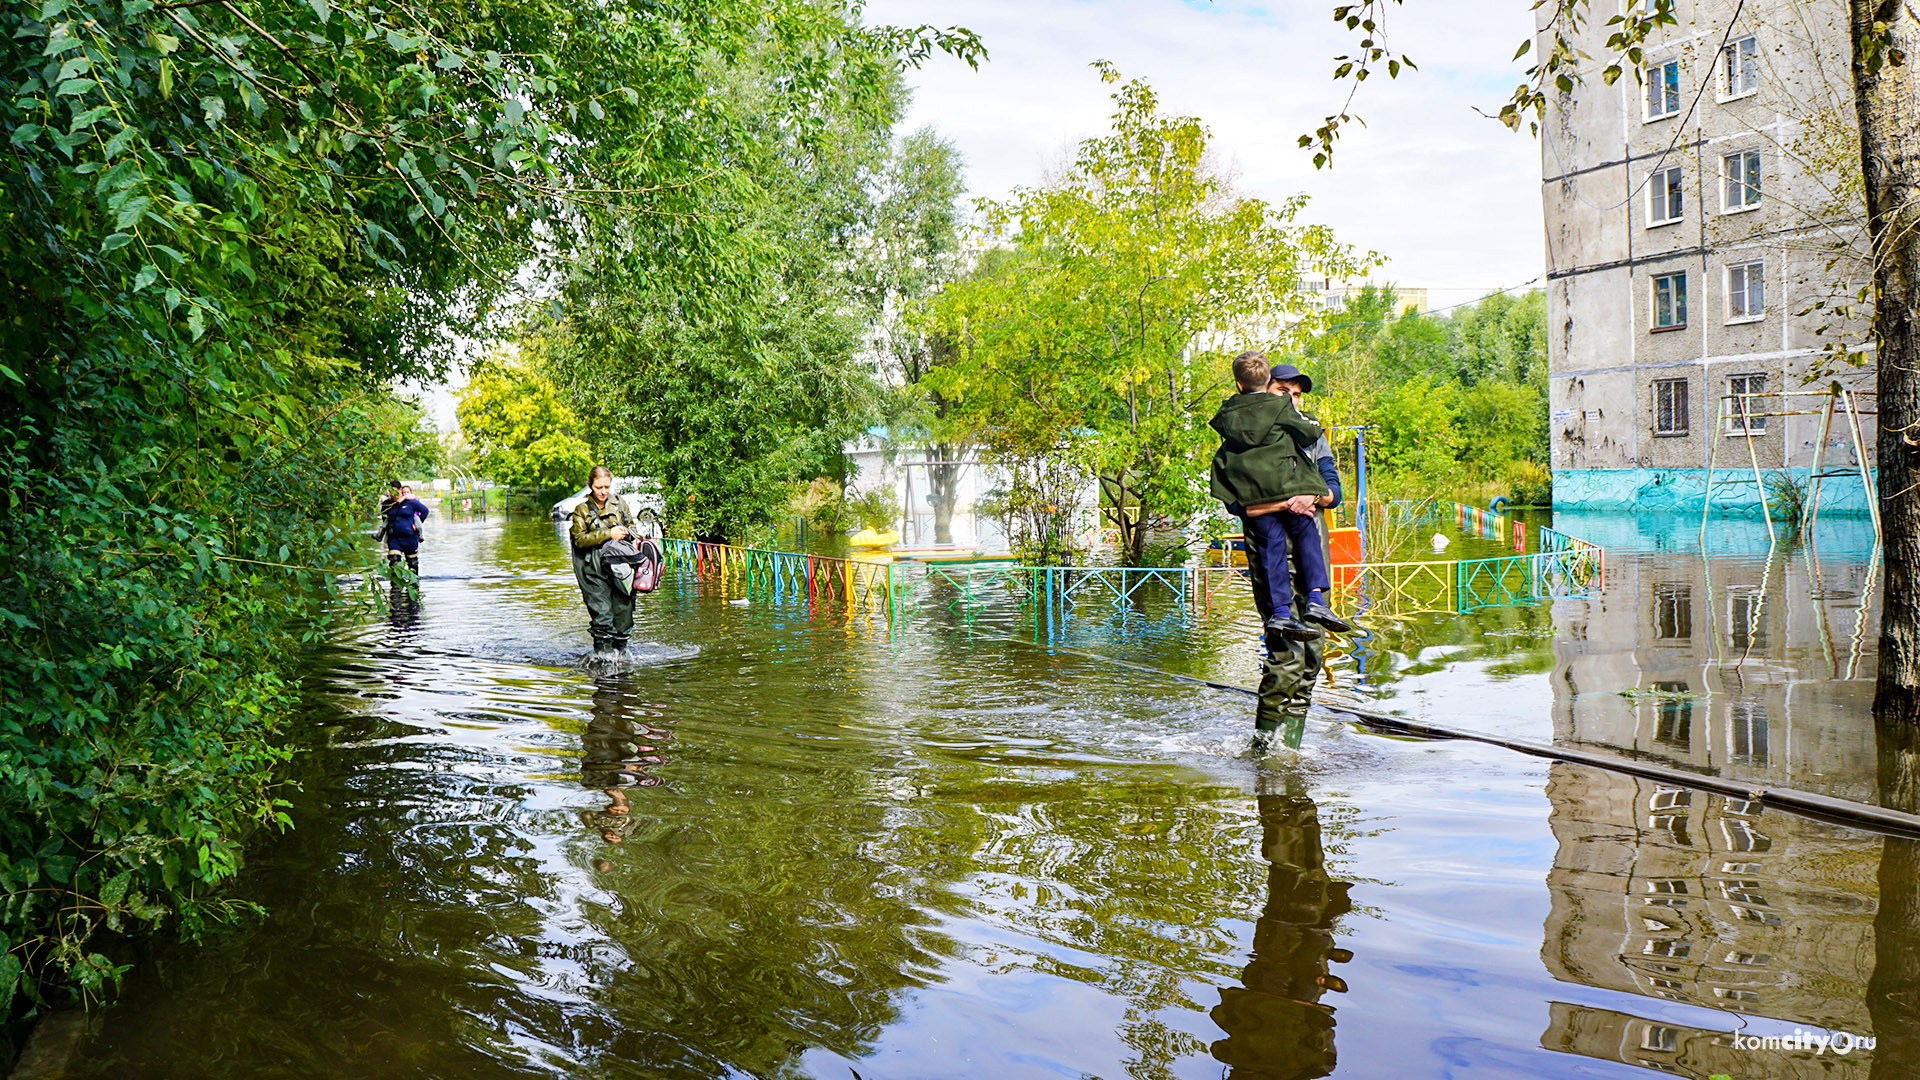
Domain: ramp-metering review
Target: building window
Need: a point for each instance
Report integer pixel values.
(1669, 406)
(1741, 67)
(1747, 732)
(1665, 798)
(1746, 619)
(1740, 181)
(1663, 90)
(1672, 619)
(1659, 1036)
(1741, 406)
(1665, 197)
(1740, 836)
(1746, 292)
(1670, 302)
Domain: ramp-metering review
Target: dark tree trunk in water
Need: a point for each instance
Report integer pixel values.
(1890, 162)
(1895, 985)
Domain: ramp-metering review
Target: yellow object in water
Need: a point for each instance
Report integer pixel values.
(867, 538)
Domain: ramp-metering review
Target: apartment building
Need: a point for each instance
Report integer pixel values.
(1704, 242)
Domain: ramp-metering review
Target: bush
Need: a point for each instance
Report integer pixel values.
(876, 510)
(1528, 483)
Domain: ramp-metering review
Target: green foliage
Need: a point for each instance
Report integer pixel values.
(1414, 432)
(228, 228)
(1528, 483)
(417, 447)
(876, 510)
(1455, 398)
(521, 432)
(1089, 338)
(729, 381)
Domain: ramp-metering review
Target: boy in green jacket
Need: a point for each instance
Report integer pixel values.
(1261, 465)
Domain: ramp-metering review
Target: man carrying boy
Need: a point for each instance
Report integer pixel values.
(1263, 471)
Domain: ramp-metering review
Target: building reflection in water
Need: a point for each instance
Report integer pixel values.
(1276, 1026)
(1756, 669)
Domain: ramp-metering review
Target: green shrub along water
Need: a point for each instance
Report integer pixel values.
(226, 232)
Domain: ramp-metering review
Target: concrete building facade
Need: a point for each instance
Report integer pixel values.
(1704, 241)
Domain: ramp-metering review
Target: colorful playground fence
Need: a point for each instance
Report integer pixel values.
(877, 585)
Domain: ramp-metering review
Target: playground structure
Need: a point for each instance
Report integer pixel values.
(1735, 416)
(894, 584)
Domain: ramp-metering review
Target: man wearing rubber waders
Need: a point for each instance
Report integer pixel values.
(599, 518)
(1266, 474)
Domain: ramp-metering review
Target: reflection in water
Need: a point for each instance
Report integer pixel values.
(1755, 665)
(1676, 895)
(1276, 1026)
(938, 854)
(1893, 994)
(1742, 667)
(616, 749)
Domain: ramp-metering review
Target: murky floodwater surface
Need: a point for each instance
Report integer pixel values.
(779, 845)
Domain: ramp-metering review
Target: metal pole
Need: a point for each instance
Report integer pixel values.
(1820, 457)
(1360, 484)
(1759, 486)
(1713, 444)
(1860, 455)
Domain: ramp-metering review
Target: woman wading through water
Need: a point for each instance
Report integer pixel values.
(599, 519)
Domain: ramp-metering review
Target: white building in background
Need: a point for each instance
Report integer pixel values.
(1693, 219)
(1325, 294)
(877, 461)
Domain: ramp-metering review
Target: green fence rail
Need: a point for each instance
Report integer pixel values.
(876, 585)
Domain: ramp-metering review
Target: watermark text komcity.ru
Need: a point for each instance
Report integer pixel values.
(1806, 1042)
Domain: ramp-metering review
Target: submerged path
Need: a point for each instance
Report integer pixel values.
(947, 856)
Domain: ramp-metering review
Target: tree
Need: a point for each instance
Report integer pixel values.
(1103, 333)
(230, 227)
(912, 250)
(737, 375)
(523, 434)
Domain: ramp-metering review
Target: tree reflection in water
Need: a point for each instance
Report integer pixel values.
(1276, 1025)
(1893, 991)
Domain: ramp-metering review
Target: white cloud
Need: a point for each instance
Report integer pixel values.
(1451, 197)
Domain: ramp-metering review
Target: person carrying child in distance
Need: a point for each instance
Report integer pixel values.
(1262, 470)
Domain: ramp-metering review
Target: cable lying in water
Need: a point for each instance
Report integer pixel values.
(1805, 803)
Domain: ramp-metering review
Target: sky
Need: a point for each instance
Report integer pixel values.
(1450, 197)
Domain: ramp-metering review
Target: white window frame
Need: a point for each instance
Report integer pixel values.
(1656, 74)
(1738, 422)
(1679, 305)
(1663, 185)
(1748, 183)
(1729, 58)
(1753, 277)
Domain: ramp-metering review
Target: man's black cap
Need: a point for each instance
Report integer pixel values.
(1292, 374)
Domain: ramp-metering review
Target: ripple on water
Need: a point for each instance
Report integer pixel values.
(773, 845)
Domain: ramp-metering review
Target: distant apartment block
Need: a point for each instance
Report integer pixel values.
(1325, 294)
(1699, 227)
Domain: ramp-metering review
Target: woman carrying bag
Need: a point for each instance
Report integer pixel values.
(609, 563)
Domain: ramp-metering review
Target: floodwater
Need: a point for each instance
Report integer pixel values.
(950, 850)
